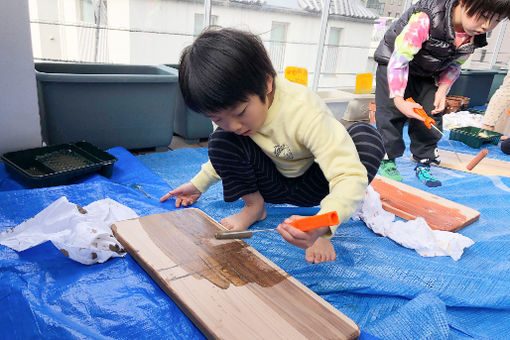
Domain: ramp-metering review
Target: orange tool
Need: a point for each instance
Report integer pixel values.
(303, 224)
(431, 123)
(478, 158)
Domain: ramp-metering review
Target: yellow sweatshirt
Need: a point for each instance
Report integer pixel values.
(300, 129)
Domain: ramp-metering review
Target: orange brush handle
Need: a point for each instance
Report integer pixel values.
(428, 121)
(317, 221)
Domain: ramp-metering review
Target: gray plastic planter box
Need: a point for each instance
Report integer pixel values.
(474, 84)
(107, 105)
(496, 82)
(190, 125)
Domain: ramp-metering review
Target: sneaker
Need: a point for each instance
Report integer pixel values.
(424, 175)
(389, 169)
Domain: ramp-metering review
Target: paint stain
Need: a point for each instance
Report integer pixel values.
(187, 237)
(438, 216)
(81, 209)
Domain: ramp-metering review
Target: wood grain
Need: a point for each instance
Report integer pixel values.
(408, 202)
(227, 288)
(486, 167)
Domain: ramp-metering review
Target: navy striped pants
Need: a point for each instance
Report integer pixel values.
(245, 169)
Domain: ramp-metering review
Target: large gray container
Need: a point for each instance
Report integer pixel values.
(497, 82)
(474, 84)
(190, 125)
(107, 105)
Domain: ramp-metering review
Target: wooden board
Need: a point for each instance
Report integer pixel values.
(408, 202)
(227, 288)
(487, 166)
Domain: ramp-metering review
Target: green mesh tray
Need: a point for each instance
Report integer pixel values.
(474, 136)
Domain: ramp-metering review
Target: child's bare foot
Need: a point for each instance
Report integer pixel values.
(254, 210)
(321, 251)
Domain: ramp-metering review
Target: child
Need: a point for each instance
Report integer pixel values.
(420, 57)
(498, 105)
(276, 141)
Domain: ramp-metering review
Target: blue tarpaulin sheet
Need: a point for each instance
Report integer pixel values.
(389, 291)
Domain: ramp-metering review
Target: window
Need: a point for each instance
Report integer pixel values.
(277, 46)
(92, 39)
(332, 50)
(199, 23)
(87, 11)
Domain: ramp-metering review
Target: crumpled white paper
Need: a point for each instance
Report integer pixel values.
(414, 234)
(461, 119)
(83, 234)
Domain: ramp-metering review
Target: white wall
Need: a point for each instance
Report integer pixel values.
(19, 113)
(126, 43)
(177, 16)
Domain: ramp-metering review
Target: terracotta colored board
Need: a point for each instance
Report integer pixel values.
(487, 166)
(227, 288)
(408, 202)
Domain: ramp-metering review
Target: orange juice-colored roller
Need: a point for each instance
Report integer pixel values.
(317, 221)
(303, 224)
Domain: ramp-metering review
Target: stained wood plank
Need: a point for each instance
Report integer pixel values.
(486, 167)
(408, 202)
(227, 288)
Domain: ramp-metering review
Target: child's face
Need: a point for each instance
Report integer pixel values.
(244, 118)
(476, 25)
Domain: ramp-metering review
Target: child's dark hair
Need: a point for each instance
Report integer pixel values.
(478, 8)
(222, 68)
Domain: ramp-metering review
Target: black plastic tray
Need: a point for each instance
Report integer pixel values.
(57, 164)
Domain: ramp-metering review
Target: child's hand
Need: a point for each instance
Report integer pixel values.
(440, 99)
(297, 237)
(187, 194)
(407, 108)
(488, 127)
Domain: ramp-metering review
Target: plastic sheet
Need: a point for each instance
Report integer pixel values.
(390, 291)
(48, 296)
(375, 281)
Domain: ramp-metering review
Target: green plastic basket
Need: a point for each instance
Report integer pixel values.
(474, 136)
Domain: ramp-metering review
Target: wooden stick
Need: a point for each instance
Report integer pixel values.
(477, 159)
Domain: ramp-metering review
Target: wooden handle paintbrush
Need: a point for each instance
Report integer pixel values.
(303, 224)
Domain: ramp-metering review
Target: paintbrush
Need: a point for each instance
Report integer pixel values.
(303, 224)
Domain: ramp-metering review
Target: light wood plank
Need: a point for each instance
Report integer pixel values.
(227, 288)
(408, 202)
(486, 167)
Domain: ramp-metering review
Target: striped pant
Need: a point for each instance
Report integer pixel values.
(245, 169)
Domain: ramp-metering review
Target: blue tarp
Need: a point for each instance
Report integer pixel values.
(390, 291)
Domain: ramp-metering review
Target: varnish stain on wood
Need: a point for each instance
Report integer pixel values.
(195, 248)
(227, 288)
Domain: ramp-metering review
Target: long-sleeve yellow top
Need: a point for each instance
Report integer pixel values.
(300, 129)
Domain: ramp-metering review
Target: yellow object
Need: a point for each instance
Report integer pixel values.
(364, 83)
(297, 75)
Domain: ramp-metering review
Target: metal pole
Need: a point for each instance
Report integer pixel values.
(322, 40)
(98, 19)
(207, 13)
(499, 41)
